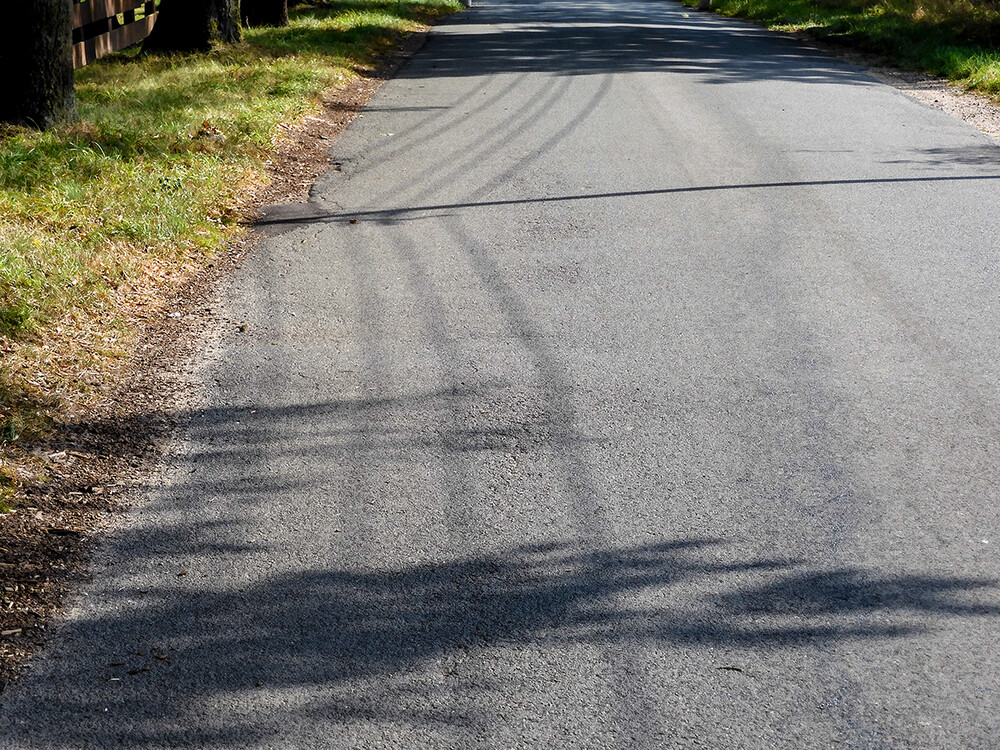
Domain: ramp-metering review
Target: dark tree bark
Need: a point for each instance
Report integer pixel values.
(191, 25)
(265, 12)
(37, 63)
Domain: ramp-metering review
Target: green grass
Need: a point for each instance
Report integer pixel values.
(6, 500)
(97, 219)
(959, 39)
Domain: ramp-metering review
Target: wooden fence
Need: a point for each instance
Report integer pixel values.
(101, 27)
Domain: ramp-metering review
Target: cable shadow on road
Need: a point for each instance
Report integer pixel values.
(276, 219)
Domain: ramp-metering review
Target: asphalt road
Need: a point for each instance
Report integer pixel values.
(632, 384)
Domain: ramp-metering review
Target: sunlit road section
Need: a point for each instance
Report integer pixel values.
(633, 383)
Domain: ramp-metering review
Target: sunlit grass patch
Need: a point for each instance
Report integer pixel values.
(98, 218)
(959, 39)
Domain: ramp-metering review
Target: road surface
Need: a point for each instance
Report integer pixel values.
(632, 384)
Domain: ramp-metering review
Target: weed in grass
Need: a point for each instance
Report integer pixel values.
(8, 487)
(7, 495)
(15, 319)
(24, 412)
(10, 429)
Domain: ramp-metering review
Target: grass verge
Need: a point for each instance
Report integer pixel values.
(100, 219)
(959, 39)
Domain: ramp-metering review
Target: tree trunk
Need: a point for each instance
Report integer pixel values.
(265, 12)
(191, 25)
(227, 19)
(37, 62)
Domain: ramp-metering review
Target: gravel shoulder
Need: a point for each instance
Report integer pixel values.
(979, 111)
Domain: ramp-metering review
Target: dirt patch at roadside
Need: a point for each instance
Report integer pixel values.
(93, 468)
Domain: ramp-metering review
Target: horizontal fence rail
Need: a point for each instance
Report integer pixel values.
(101, 27)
